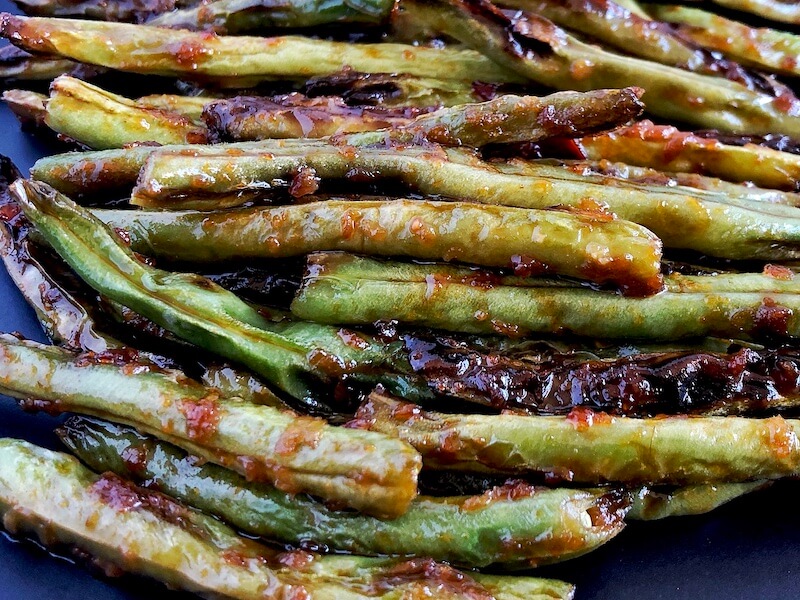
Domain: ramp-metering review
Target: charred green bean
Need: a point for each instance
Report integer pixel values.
(298, 454)
(29, 107)
(713, 223)
(653, 177)
(300, 358)
(101, 120)
(238, 16)
(349, 290)
(236, 61)
(618, 27)
(18, 65)
(51, 495)
(508, 118)
(666, 148)
(762, 48)
(534, 47)
(190, 107)
(588, 447)
(103, 11)
(549, 525)
(651, 504)
(599, 249)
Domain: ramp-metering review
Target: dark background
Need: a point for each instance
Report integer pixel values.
(747, 550)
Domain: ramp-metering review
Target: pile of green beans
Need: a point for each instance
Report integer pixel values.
(339, 247)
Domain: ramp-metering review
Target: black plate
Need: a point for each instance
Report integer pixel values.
(748, 550)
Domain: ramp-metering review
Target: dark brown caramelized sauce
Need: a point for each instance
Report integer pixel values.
(744, 382)
(610, 509)
(304, 182)
(119, 357)
(772, 320)
(526, 35)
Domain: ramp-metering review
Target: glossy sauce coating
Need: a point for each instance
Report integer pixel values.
(744, 382)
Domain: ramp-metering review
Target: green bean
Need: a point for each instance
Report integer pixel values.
(762, 48)
(665, 148)
(102, 11)
(391, 363)
(652, 177)
(18, 65)
(403, 91)
(601, 250)
(68, 315)
(512, 118)
(29, 107)
(100, 119)
(633, 6)
(535, 48)
(645, 144)
(393, 90)
(299, 358)
(548, 525)
(190, 107)
(85, 173)
(587, 447)
(507, 118)
(641, 36)
(382, 362)
(233, 382)
(715, 224)
(236, 61)
(52, 496)
(618, 27)
(297, 454)
(81, 174)
(103, 120)
(616, 175)
(349, 290)
(69, 322)
(238, 16)
(777, 10)
(515, 375)
(230, 381)
(650, 504)
(61, 316)
(296, 116)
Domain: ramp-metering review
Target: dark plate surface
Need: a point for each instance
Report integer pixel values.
(748, 550)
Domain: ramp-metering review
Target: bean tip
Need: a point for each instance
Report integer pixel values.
(9, 24)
